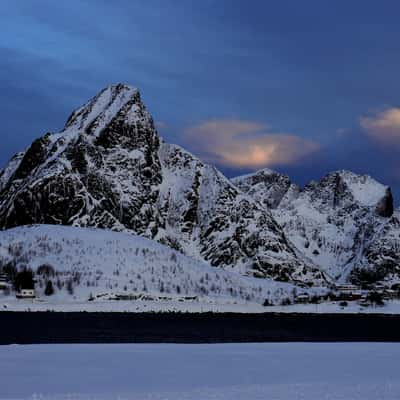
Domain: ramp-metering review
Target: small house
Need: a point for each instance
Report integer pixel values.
(347, 288)
(303, 298)
(26, 294)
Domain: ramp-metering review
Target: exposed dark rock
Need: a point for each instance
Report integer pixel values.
(34, 157)
(385, 206)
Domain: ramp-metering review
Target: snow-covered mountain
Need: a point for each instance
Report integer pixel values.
(97, 264)
(345, 223)
(108, 168)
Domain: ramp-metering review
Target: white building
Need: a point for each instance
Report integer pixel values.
(302, 298)
(347, 288)
(26, 294)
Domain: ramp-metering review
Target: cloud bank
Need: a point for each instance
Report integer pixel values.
(246, 144)
(383, 126)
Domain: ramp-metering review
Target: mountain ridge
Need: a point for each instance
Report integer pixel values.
(109, 168)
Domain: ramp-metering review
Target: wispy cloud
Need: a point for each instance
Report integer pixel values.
(383, 126)
(246, 144)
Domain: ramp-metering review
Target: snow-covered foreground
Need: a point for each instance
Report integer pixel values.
(351, 371)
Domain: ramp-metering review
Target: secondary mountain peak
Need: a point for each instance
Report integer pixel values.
(344, 221)
(345, 188)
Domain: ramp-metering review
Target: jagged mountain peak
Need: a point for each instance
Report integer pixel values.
(345, 188)
(115, 116)
(106, 103)
(67, 175)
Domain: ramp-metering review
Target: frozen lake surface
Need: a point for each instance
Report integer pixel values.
(306, 371)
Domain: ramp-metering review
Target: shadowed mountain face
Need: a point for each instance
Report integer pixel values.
(345, 223)
(108, 168)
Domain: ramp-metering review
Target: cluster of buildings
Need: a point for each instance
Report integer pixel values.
(339, 292)
(350, 292)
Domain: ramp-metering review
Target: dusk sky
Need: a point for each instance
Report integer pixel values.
(303, 87)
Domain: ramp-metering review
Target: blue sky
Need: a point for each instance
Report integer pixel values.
(304, 87)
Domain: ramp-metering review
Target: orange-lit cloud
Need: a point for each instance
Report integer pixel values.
(238, 143)
(383, 126)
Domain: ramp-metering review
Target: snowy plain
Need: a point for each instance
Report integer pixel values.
(273, 371)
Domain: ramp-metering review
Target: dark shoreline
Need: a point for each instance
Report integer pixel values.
(99, 327)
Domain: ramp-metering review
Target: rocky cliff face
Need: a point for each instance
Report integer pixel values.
(108, 168)
(344, 223)
(381, 259)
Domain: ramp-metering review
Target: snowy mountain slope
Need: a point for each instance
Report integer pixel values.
(210, 218)
(108, 168)
(342, 222)
(103, 264)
